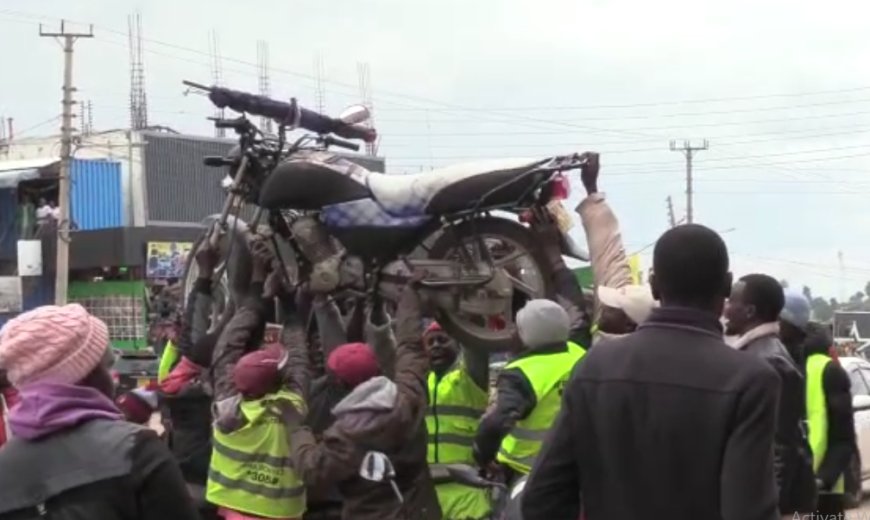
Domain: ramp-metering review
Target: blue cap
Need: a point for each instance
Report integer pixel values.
(796, 310)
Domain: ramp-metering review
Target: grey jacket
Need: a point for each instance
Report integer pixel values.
(790, 444)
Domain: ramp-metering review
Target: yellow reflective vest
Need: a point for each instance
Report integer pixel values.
(250, 468)
(547, 374)
(456, 404)
(817, 413)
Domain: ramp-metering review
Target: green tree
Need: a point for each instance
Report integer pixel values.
(822, 309)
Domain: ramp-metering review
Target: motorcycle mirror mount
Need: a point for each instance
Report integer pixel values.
(355, 114)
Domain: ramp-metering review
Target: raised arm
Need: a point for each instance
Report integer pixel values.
(380, 337)
(568, 292)
(330, 325)
(244, 329)
(606, 250)
(195, 323)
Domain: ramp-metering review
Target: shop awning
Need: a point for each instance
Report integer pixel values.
(13, 172)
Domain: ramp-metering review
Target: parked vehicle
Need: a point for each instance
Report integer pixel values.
(386, 226)
(135, 370)
(859, 374)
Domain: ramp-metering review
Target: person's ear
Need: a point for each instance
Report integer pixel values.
(751, 311)
(654, 286)
(727, 284)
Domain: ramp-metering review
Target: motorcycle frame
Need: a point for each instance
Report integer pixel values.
(281, 227)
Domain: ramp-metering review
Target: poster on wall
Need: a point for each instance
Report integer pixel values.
(166, 259)
(10, 294)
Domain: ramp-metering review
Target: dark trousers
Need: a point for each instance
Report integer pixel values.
(831, 504)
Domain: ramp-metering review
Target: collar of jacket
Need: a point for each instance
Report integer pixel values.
(546, 349)
(761, 331)
(684, 318)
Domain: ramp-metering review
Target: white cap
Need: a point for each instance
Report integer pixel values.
(636, 301)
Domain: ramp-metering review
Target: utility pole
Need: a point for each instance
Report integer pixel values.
(671, 219)
(688, 150)
(67, 39)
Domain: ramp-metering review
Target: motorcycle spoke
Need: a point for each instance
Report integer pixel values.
(522, 286)
(509, 258)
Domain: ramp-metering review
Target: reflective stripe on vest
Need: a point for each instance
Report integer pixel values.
(250, 468)
(547, 373)
(817, 413)
(456, 404)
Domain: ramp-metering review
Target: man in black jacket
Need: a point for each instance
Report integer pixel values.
(753, 313)
(835, 445)
(667, 422)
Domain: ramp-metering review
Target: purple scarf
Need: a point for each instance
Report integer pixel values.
(45, 408)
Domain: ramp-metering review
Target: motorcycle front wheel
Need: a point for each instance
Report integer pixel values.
(233, 251)
(512, 247)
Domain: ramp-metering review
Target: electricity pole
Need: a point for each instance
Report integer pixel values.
(62, 269)
(671, 219)
(688, 150)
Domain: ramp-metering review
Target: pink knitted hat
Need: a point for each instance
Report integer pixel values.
(52, 344)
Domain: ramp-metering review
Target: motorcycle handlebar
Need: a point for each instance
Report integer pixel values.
(341, 143)
(288, 113)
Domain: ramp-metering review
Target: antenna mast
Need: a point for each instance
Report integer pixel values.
(319, 73)
(265, 88)
(365, 89)
(217, 75)
(138, 99)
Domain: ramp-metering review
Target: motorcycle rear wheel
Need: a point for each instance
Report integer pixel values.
(531, 279)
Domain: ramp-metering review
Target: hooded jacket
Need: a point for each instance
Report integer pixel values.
(515, 398)
(792, 457)
(8, 398)
(378, 415)
(84, 461)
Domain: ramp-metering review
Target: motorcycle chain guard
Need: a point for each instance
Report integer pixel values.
(453, 288)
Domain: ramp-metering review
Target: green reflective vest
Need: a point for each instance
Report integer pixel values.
(456, 404)
(455, 407)
(167, 361)
(250, 468)
(547, 374)
(817, 412)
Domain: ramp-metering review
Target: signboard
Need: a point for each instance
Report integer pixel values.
(166, 259)
(30, 258)
(10, 294)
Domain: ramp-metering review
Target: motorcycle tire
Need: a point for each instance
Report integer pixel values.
(239, 267)
(492, 227)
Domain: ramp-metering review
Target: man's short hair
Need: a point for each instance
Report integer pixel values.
(765, 293)
(690, 264)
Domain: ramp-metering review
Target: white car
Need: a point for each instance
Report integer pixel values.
(859, 374)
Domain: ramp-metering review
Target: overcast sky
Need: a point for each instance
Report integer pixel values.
(781, 91)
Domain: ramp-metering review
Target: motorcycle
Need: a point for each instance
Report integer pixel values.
(350, 232)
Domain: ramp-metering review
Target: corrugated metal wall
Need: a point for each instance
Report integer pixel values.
(35, 292)
(180, 188)
(8, 228)
(95, 194)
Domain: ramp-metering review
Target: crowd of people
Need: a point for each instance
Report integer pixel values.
(692, 397)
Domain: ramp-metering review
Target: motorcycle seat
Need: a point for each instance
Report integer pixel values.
(451, 189)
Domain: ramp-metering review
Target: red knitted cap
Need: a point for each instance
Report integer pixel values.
(353, 363)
